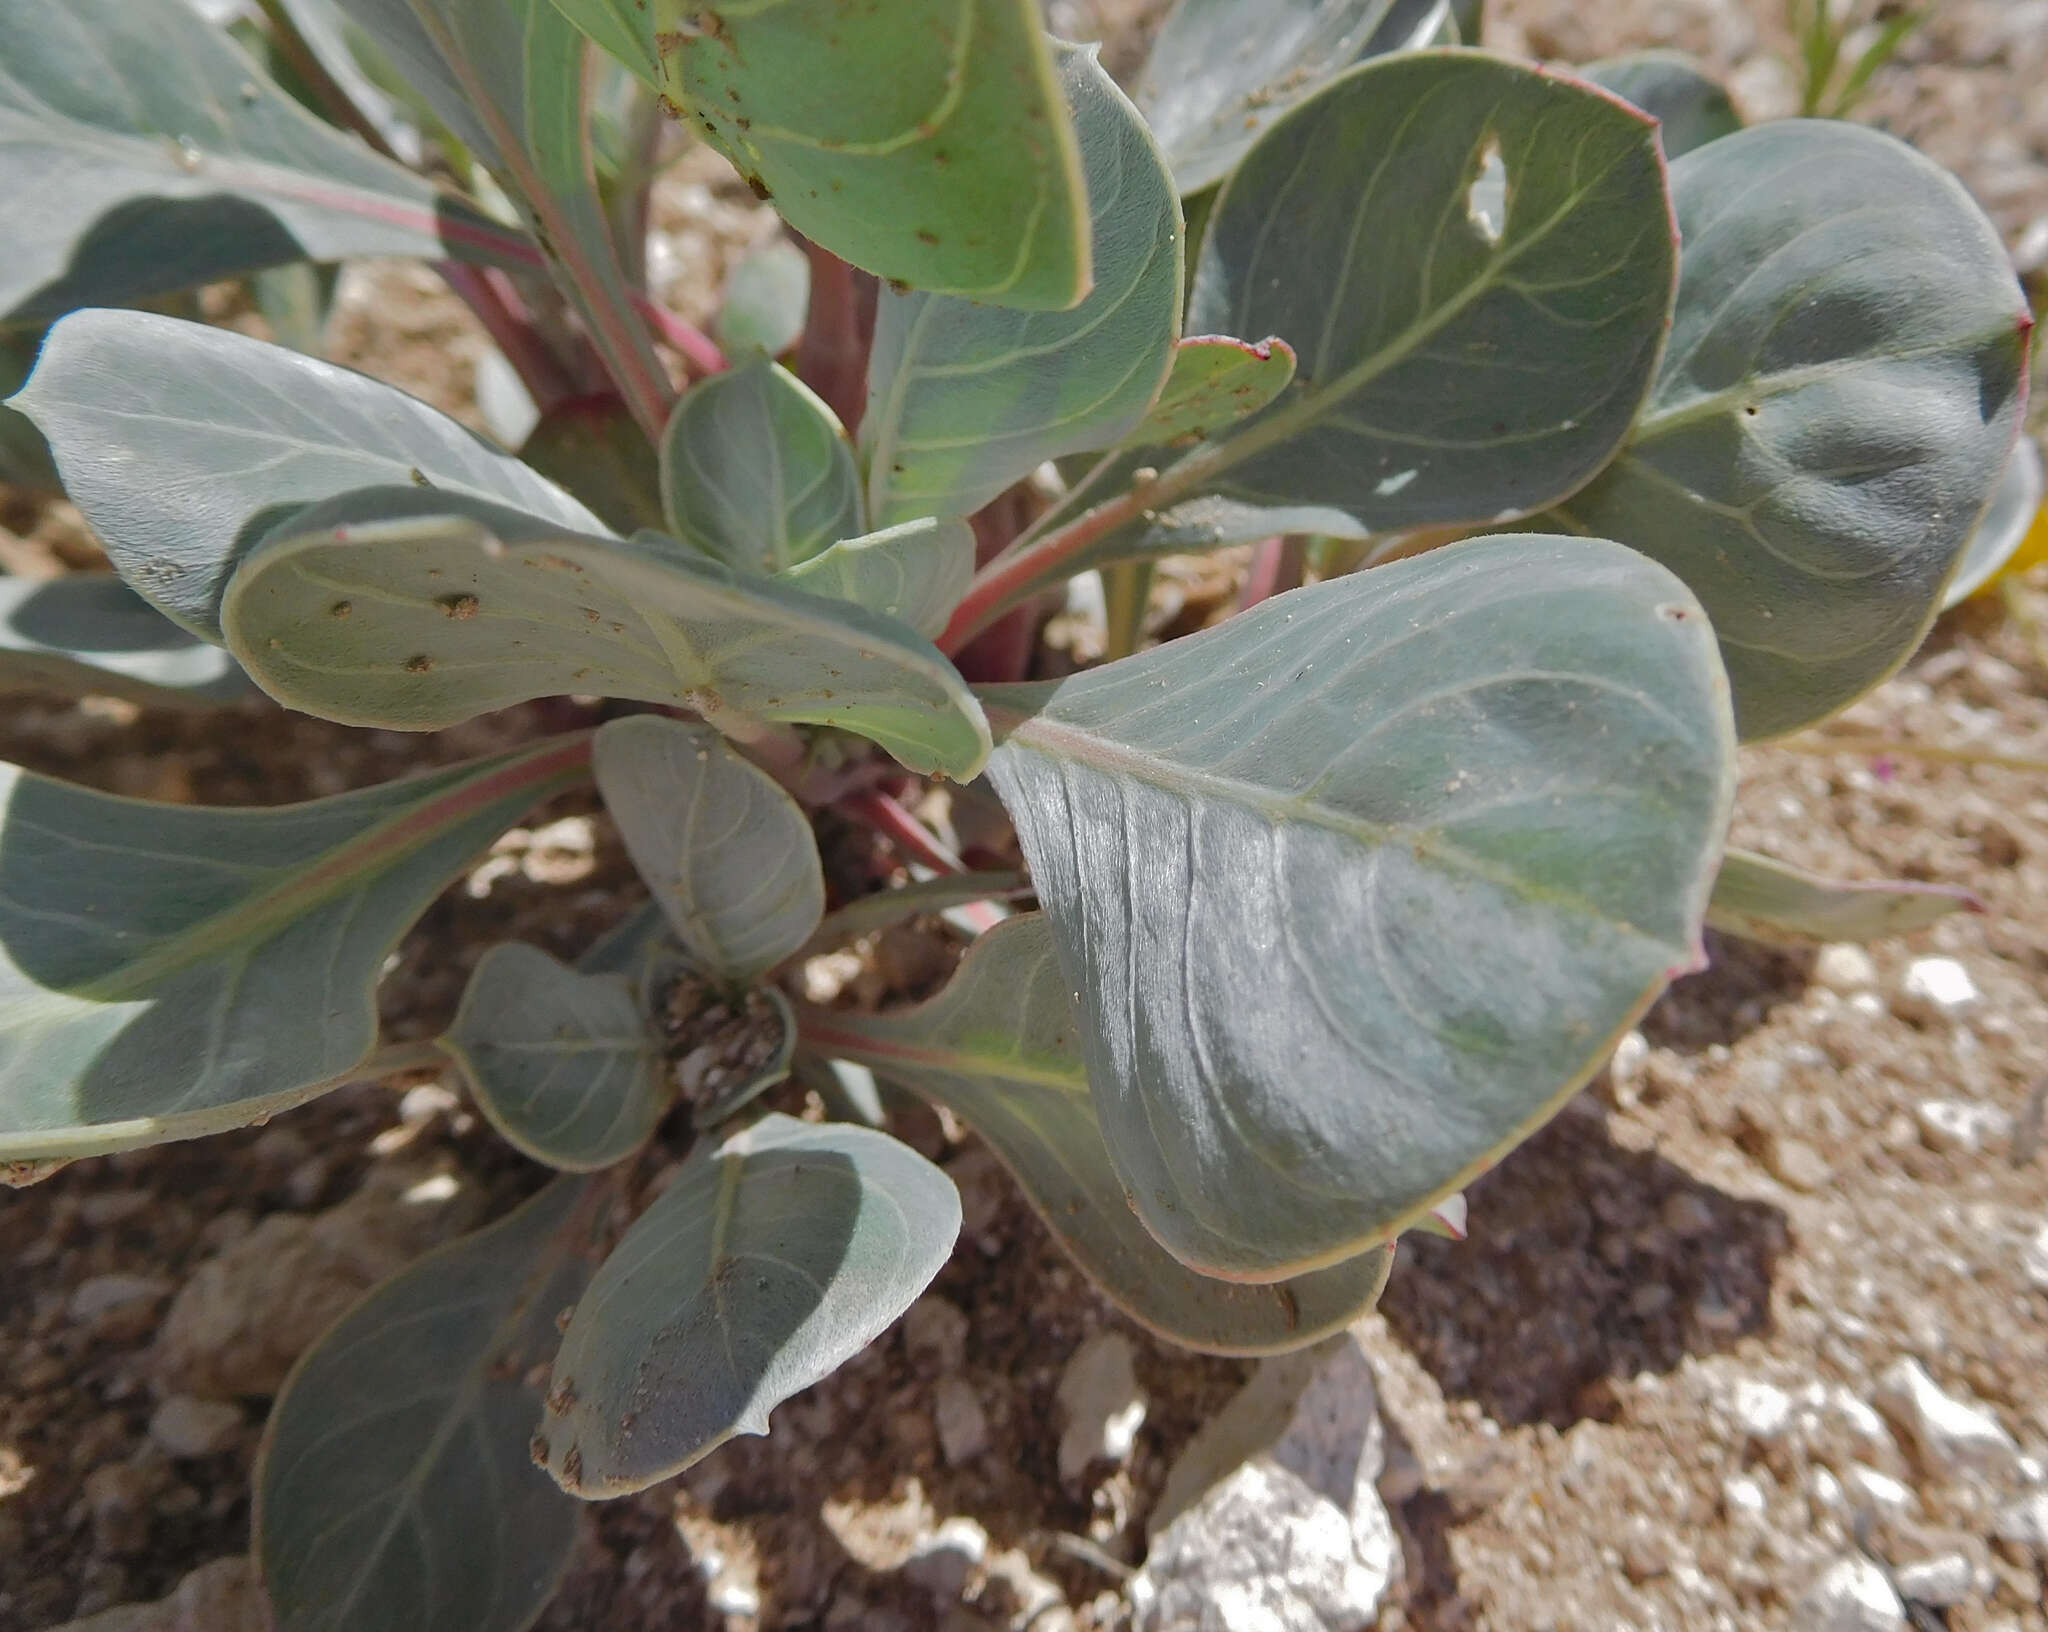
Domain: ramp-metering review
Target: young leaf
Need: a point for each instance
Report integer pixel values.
(1355, 889)
(767, 299)
(507, 77)
(1772, 901)
(757, 471)
(91, 635)
(728, 855)
(142, 152)
(764, 1266)
(1475, 263)
(1222, 71)
(964, 398)
(414, 610)
(1691, 109)
(395, 1487)
(1846, 374)
(184, 444)
(1000, 1047)
(914, 573)
(594, 449)
(2015, 503)
(1215, 382)
(922, 140)
(168, 971)
(562, 1063)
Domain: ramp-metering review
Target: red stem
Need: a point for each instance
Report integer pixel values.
(502, 311)
(877, 810)
(1278, 565)
(832, 357)
(1012, 576)
(697, 349)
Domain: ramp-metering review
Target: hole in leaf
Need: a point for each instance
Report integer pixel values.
(1486, 201)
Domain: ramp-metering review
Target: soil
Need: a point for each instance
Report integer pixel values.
(1758, 1199)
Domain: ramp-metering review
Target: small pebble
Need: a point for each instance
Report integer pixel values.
(1762, 1410)
(1843, 967)
(95, 1297)
(1940, 1583)
(1935, 989)
(1743, 1497)
(2024, 1525)
(960, 1420)
(1851, 1596)
(2034, 1259)
(187, 1427)
(1104, 1409)
(1797, 1165)
(1879, 1490)
(1947, 1434)
(1961, 1126)
(936, 1330)
(942, 1562)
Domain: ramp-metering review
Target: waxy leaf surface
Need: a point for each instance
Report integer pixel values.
(89, 634)
(757, 471)
(1215, 382)
(729, 856)
(1474, 263)
(1773, 901)
(413, 610)
(395, 1486)
(1356, 889)
(1221, 71)
(562, 1062)
(923, 140)
(142, 152)
(964, 398)
(767, 1263)
(184, 444)
(2015, 505)
(1691, 109)
(1000, 1047)
(767, 299)
(168, 971)
(915, 572)
(1845, 377)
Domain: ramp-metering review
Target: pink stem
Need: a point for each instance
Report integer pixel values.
(1277, 566)
(696, 348)
(877, 810)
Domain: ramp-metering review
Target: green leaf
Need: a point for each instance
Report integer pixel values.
(867, 913)
(2015, 503)
(168, 971)
(1222, 71)
(1845, 378)
(345, 55)
(1215, 382)
(1000, 1047)
(413, 610)
(1477, 302)
(595, 450)
(91, 635)
(1766, 900)
(922, 141)
(757, 471)
(914, 573)
(1691, 109)
(507, 76)
(728, 855)
(964, 398)
(1356, 889)
(184, 444)
(764, 1266)
(395, 1487)
(142, 152)
(767, 300)
(563, 1064)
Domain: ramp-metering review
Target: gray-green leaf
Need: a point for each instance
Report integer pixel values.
(767, 299)
(91, 635)
(171, 971)
(395, 1486)
(766, 1264)
(964, 399)
(914, 573)
(1690, 108)
(922, 140)
(414, 610)
(1000, 1047)
(1356, 889)
(2006, 521)
(184, 444)
(757, 471)
(1474, 262)
(1773, 901)
(1844, 381)
(728, 855)
(563, 1063)
(142, 152)
(1222, 71)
